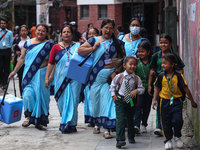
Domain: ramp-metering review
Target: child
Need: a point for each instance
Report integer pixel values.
(168, 87)
(144, 106)
(129, 86)
(156, 69)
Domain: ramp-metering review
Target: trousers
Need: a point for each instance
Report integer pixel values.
(124, 111)
(171, 116)
(4, 65)
(143, 109)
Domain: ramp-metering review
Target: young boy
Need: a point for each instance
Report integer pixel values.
(129, 86)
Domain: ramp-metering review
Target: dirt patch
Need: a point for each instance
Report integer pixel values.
(188, 133)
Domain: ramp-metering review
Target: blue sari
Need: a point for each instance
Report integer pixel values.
(130, 46)
(103, 107)
(36, 96)
(67, 92)
(88, 107)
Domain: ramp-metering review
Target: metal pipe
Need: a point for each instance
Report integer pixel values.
(131, 8)
(160, 18)
(143, 14)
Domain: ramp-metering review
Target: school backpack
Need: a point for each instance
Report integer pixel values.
(157, 54)
(135, 84)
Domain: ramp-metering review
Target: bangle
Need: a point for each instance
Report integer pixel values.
(46, 78)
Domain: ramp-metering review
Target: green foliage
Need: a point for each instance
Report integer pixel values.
(6, 13)
(21, 13)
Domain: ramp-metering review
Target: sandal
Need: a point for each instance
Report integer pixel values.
(26, 122)
(107, 135)
(96, 129)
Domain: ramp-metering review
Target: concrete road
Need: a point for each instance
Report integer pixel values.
(16, 137)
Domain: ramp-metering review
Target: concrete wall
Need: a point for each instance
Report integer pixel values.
(189, 35)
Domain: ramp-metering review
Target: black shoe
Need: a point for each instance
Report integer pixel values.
(71, 129)
(120, 144)
(131, 140)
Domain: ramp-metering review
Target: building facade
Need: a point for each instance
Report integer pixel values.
(121, 11)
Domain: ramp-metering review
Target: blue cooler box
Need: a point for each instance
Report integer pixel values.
(76, 72)
(11, 111)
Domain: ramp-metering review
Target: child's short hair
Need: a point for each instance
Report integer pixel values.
(127, 58)
(172, 59)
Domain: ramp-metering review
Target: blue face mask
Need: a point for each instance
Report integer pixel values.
(135, 30)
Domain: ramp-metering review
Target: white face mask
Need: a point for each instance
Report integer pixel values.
(135, 30)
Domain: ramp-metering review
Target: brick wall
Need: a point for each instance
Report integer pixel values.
(189, 50)
(114, 11)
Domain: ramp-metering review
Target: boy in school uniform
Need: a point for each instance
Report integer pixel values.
(129, 85)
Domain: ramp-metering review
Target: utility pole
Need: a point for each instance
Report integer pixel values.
(13, 14)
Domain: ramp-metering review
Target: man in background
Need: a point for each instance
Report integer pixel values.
(6, 40)
(33, 30)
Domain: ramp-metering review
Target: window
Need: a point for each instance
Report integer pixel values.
(102, 11)
(85, 12)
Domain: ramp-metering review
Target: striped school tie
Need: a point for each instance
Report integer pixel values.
(127, 91)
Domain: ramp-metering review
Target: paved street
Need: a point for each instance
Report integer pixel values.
(14, 136)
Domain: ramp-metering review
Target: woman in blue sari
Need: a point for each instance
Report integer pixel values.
(67, 91)
(92, 32)
(132, 39)
(106, 49)
(36, 97)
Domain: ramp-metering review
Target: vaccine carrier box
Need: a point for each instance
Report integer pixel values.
(77, 72)
(11, 111)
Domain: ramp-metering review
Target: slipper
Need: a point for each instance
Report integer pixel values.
(26, 122)
(107, 135)
(96, 130)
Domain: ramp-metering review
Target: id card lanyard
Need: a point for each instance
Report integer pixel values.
(171, 90)
(3, 43)
(133, 50)
(130, 99)
(107, 55)
(68, 52)
(2, 35)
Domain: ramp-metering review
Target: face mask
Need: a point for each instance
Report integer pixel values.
(135, 30)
